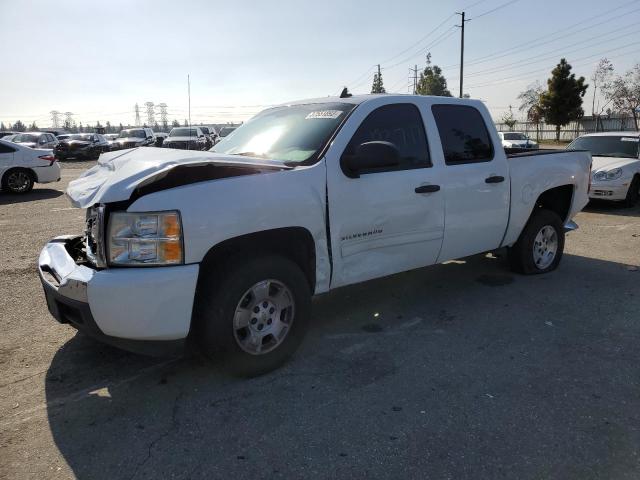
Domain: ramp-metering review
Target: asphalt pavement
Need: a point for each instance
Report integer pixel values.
(463, 371)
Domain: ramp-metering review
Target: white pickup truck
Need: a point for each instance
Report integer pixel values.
(226, 248)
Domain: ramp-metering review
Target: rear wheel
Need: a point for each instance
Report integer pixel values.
(633, 194)
(252, 314)
(18, 180)
(540, 246)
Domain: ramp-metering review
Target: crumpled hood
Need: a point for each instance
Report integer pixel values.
(609, 163)
(117, 174)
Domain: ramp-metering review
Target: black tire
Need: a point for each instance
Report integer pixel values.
(219, 292)
(521, 254)
(8, 184)
(633, 194)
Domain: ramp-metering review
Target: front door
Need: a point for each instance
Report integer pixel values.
(390, 219)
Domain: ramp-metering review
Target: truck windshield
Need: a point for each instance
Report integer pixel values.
(184, 132)
(291, 134)
(132, 134)
(608, 146)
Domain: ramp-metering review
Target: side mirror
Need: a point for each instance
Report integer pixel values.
(370, 156)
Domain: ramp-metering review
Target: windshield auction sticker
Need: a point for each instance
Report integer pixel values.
(330, 114)
(628, 139)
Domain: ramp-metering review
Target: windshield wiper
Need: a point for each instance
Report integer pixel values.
(250, 154)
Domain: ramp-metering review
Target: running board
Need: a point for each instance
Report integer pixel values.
(570, 226)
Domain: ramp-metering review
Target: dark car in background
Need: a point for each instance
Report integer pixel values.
(36, 140)
(224, 131)
(186, 138)
(208, 135)
(81, 146)
(135, 137)
(6, 134)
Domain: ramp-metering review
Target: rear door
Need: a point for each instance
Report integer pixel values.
(383, 222)
(476, 182)
(7, 157)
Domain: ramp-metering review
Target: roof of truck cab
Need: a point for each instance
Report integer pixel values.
(613, 134)
(358, 99)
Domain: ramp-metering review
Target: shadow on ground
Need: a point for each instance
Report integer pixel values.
(36, 194)
(612, 208)
(461, 370)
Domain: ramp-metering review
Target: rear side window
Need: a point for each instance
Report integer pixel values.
(463, 134)
(400, 124)
(6, 149)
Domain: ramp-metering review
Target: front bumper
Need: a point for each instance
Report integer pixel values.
(145, 310)
(611, 190)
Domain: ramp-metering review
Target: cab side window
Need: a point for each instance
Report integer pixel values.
(400, 124)
(463, 134)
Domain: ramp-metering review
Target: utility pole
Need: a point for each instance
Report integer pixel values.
(415, 79)
(461, 49)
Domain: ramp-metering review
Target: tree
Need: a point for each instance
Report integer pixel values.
(19, 126)
(378, 85)
(432, 82)
(120, 128)
(175, 123)
(2, 127)
(108, 127)
(624, 92)
(508, 119)
(80, 128)
(33, 127)
(562, 102)
(530, 104)
(601, 76)
(186, 124)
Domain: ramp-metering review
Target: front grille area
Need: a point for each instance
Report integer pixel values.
(178, 145)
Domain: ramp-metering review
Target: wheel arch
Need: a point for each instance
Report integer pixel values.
(557, 199)
(295, 243)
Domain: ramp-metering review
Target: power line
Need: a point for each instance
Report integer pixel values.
(563, 34)
(419, 41)
(494, 9)
(539, 70)
(441, 38)
(549, 55)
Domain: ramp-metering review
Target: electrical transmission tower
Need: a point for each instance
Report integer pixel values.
(68, 121)
(55, 118)
(163, 114)
(151, 114)
(137, 108)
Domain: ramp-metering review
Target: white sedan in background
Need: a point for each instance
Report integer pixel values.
(615, 168)
(517, 140)
(21, 167)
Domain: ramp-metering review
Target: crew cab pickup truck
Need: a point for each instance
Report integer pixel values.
(226, 248)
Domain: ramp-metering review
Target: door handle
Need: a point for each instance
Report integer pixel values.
(427, 188)
(494, 179)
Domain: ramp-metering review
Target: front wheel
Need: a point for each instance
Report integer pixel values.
(252, 314)
(540, 246)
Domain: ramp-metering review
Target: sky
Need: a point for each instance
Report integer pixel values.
(98, 59)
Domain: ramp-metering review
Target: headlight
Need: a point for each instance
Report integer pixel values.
(145, 239)
(605, 175)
